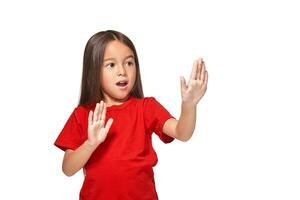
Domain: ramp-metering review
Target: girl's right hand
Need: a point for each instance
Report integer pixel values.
(96, 130)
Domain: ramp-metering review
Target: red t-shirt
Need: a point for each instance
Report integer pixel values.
(121, 166)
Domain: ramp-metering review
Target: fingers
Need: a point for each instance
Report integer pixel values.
(101, 124)
(96, 111)
(98, 114)
(194, 71)
(108, 124)
(100, 110)
(183, 84)
(199, 68)
(202, 73)
(206, 78)
(103, 113)
(90, 119)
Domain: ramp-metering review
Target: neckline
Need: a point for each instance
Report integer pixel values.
(130, 99)
(120, 106)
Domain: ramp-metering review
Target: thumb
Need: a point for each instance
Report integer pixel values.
(108, 124)
(183, 84)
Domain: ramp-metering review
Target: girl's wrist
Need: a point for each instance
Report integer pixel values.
(90, 145)
(188, 105)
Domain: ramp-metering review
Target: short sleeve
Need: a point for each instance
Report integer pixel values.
(70, 136)
(155, 117)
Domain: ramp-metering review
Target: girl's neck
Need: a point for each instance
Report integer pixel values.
(113, 101)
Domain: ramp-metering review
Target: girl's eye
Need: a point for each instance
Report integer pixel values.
(110, 65)
(130, 63)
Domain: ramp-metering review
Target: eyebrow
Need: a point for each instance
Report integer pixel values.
(114, 58)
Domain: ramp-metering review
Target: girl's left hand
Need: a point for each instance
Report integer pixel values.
(192, 92)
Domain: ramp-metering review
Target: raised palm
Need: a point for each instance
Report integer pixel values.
(97, 130)
(192, 92)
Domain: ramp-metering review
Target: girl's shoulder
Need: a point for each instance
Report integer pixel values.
(149, 100)
(81, 112)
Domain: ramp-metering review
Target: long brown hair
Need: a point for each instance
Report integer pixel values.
(93, 60)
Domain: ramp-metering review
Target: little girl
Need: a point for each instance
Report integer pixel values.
(109, 133)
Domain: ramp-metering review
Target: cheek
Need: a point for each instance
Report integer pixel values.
(104, 79)
(133, 74)
(133, 77)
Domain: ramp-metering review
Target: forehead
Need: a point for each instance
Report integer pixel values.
(116, 49)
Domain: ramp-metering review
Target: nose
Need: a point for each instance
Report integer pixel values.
(121, 70)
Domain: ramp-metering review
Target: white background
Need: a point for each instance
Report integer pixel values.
(246, 141)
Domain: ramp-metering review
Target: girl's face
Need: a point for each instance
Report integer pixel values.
(117, 73)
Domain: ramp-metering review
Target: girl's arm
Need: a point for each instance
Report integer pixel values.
(191, 94)
(74, 160)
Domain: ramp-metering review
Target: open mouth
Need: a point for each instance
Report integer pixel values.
(122, 83)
